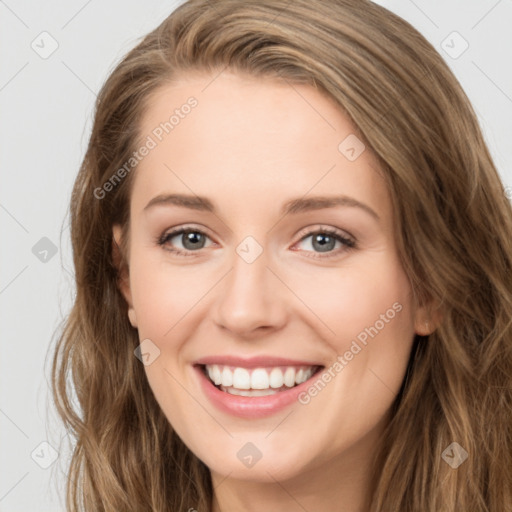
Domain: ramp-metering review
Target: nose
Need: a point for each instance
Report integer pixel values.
(251, 298)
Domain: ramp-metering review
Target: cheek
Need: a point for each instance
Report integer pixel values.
(370, 324)
(162, 295)
(352, 300)
(370, 313)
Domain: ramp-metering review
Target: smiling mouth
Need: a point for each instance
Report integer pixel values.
(261, 381)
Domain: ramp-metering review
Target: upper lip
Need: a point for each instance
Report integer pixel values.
(253, 362)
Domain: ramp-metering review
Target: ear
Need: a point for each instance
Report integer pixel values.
(427, 319)
(121, 265)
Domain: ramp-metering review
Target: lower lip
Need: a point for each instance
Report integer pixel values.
(247, 406)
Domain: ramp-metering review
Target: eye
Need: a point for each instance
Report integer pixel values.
(324, 241)
(192, 240)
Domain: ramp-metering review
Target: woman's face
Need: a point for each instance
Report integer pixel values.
(289, 266)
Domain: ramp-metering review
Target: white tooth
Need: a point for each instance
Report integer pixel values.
(289, 377)
(259, 379)
(227, 377)
(238, 392)
(215, 375)
(249, 392)
(262, 392)
(209, 369)
(299, 376)
(276, 378)
(307, 374)
(241, 379)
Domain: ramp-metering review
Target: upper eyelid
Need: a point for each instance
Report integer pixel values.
(178, 230)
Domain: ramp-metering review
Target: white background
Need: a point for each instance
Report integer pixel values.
(46, 112)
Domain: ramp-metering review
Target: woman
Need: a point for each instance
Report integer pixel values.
(273, 369)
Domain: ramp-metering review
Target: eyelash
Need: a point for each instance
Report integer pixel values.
(347, 242)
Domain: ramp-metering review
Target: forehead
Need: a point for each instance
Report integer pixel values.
(232, 135)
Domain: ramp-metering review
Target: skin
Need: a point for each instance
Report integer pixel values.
(249, 146)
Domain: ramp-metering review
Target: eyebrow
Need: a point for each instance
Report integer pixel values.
(293, 206)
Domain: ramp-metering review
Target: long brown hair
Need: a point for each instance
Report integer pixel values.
(453, 230)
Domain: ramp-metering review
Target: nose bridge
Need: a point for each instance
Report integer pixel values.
(250, 296)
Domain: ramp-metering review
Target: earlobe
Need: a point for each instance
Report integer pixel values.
(132, 316)
(423, 329)
(426, 321)
(123, 281)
